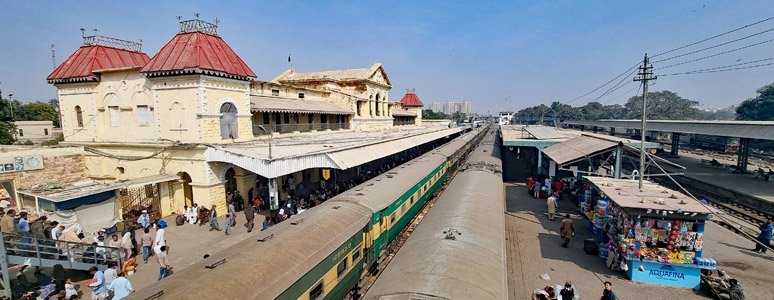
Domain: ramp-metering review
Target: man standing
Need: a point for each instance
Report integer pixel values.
(567, 229)
(214, 219)
(231, 218)
(250, 217)
(147, 244)
(551, 203)
(24, 230)
(98, 288)
(110, 275)
(38, 228)
(161, 256)
(121, 287)
(161, 240)
(144, 219)
(765, 236)
(608, 294)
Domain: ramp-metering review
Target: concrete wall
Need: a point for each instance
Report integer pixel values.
(34, 130)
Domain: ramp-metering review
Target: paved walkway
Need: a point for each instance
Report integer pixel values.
(744, 183)
(534, 248)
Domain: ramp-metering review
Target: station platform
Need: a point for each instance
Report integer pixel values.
(741, 183)
(534, 248)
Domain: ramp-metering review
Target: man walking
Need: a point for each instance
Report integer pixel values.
(765, 236)
(567, 229)
(7, 224)
(551, 203)
(147, 244)
(608, 294)
(250, 217)
(121, 287)
(97, 285)
(214, 219)
(161, 256)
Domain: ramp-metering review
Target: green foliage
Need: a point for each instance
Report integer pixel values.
(760, 108)
(59, 138)
(37, 111)
(430, 115)
(6, 124)
(459, 117)
(597, 111)
(663, 105)
(718, 115)
(28, 143)
(564, 111)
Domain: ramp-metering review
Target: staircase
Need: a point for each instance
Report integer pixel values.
(40, 252)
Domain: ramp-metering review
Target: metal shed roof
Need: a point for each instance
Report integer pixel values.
(275, 104)
(544, 132)
(625, 192)
(763, 130)
(576, 148)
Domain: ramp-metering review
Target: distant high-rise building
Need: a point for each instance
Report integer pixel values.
(435, 106)
(450, 107)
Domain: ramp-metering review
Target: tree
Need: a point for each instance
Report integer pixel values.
(430, 115)
(760, 108)
(37, 111)
(564, 111)
(6, 123)
(459, 117)
(663, 105)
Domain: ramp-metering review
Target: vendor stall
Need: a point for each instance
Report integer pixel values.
(655, 235)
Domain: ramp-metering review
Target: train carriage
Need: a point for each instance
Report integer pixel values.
(323, 252)
(458, 250)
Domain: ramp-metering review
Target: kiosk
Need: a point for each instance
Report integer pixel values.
(655, 235)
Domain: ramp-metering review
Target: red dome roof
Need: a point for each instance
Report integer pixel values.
(411, 100)
(88, 59)
(198, 51)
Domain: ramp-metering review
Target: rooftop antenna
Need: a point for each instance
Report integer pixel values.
(96, 32)
(53, 56)
(289, 61)
(217, 22)
(83, 32)
(196, 15)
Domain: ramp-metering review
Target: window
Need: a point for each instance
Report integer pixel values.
(287, 118)
(79, 116)
(412, 199)
(45, 131)
(21, 132)
(275, 92)
(300, 95)
(311, 118)
(323, 118)
(316, 292)
(356, 254)
(266, 118)
(228, 121)
(115, 116)
(341, 268)
(392, 218)
(143, 116)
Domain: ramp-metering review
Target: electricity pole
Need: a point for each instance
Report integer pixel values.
(646, 74)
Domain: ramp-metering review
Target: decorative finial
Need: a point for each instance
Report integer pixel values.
(217, 21)
(196, 15)
(179, 18)
(83, 32)
(96, 32)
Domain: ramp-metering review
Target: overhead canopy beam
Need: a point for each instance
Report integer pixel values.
(763, 130)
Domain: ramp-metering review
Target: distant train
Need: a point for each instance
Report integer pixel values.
(458, 250)
(324, 252)
(717, 143)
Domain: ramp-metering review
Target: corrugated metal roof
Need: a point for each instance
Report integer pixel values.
(69, 191)
(576, 148)
(87, 59)
(544, 132)
(196, 51)
(763, 130)
(626, 193)
(274, 104)
(411, 100)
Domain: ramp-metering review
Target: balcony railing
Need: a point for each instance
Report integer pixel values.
(402, 123)
(302, 127)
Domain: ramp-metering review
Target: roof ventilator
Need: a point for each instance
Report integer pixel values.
(296, 222)
(336, 207)
(216, 264)
(266, 238)
(156, 295)
(450, 234)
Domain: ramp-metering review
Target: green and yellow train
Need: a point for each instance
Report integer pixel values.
(323, 252)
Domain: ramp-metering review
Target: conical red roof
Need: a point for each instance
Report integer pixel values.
(411, 100)
(88, 59)
(198, 51)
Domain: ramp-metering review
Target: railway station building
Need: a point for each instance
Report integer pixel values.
(193, 122)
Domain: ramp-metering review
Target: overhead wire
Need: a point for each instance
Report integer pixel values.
(716, 54)
(712, 47)
(616, 86)
(718, 69)
(603, 85)
(639, 87)
(713, 37)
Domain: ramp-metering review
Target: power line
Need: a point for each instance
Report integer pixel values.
(712, 37)
(715, 70)
(734, 65)
(712, 47)
(716, 54)
(617, 86)
(625, 93)
(603, 85)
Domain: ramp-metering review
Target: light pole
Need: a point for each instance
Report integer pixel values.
(269, 133)
(13, 121)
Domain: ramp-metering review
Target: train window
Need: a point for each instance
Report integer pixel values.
(356, 255)
(392, 218)
(412, 199)
(341, 268)
(316, 292)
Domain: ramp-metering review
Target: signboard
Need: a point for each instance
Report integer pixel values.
(326, 174)
(666, 274)
(20, 163)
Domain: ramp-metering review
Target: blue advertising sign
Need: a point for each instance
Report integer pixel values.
(683, 275)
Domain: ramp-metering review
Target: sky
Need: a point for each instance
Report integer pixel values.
(499, 55)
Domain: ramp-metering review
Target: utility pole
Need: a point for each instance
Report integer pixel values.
(646, 74)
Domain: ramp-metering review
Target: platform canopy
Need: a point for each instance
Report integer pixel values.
(763, 130)
(543, 132)
(577, 148)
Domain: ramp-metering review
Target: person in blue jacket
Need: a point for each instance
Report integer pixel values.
(764, 237)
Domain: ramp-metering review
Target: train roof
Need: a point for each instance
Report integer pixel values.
(264, 270)
(381, 191)
(471, 265)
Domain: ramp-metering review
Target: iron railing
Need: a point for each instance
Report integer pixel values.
(95, 40)
(300, 127)
(44, 252)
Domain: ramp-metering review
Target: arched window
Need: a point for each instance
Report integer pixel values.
(79, 116)
(377, 105)
(228, 121)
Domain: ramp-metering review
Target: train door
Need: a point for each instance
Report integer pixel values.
(368, 242)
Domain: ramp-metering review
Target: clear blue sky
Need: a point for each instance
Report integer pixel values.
(480, 51)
